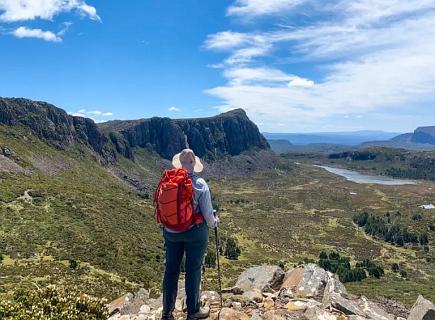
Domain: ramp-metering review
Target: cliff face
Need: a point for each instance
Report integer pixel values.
(52, 124)
(424, 135)
(228, 133)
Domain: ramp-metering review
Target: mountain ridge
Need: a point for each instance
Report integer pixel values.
(229, 133)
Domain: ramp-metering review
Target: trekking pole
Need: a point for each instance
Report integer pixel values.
(218, 264)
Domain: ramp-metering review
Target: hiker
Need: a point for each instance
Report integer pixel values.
(186, 219)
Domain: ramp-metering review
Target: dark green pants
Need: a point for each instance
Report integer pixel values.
(194, 243)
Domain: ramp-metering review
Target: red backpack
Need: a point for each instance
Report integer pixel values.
(173, 201)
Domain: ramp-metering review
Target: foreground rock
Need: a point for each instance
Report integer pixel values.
(268, 293)
(422, 309)
(263, 278)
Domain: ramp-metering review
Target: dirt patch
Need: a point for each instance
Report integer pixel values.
(7, 165)
(50, 167)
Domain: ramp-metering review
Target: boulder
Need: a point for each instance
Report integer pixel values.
(274, 315)
(361, 307)
(256, 315)
(300, 305)
(210, 297)
(119, 304)
(263, 278)
(254, 295)
(233, 290)
(231, 314)
(422, 309)
(134, 305)
(333, 286)
(316, 313)
(349, 307)
(373, 311)
(293, 278)
(268, 303)
(313, 281)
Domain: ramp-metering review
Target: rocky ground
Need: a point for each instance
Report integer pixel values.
(269, 293)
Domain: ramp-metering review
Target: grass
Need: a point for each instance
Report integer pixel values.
(292, 217)
(83, 212)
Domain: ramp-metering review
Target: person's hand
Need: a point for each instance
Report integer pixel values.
(216, 221)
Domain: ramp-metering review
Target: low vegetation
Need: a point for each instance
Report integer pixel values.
(389, 228)
(51, 303)
(84, 225)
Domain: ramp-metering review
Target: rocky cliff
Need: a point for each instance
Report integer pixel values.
(423, 138)
(267, 292)
(228, 133)
(53, 124)
(424, 135)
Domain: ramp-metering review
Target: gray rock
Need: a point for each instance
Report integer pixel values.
(210, 297)
(254, 295)
(346, 306)
(333, 286)
(373, 311)
(135, 302)
(422, 309)
(234, 290)
(313, 281)
(256, 316)
(362, 307)
(231, 314)
(316, 313)
(263, 278)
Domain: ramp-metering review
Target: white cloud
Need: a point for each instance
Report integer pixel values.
(301, 82)
(261, 7)
(96, 115)
(174, 109)
(264, 76)
(226, 40)
(24, 32)
(22, 10)
(372, 56)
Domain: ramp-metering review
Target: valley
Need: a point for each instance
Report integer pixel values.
(76, 217)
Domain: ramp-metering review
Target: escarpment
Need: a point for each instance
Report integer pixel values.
(230, 133)
(54, 125)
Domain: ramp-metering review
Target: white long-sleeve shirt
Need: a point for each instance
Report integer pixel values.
(201, 200)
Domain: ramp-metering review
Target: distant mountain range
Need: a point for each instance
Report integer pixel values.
(423, 138)
(343, 138)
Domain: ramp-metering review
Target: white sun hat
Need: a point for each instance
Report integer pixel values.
(184, 157)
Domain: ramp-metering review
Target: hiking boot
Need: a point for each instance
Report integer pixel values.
(168, 317)
(202, 313)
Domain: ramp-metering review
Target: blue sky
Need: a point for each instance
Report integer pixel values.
(293, 65)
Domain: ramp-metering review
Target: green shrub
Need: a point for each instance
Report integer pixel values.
(52, 303)
(73, 264)
(210, 259)
(232, 250)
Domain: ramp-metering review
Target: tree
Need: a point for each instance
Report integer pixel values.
(423, 239)
(210, 259)
(323, 255)
(232, 251)
(73, 264)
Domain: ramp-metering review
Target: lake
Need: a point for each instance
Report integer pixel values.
(364, 178)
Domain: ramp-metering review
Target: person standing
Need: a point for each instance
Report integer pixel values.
(186, 216)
